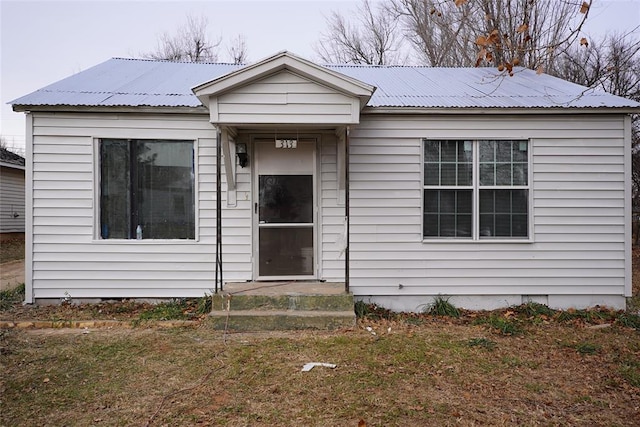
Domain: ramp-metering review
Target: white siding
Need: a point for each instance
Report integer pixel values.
(68, 256)
(578, 245)
(11, 200)
(332, 215)
(284, 98)
(578, 212)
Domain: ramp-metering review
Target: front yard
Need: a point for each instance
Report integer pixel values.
(579, 368)
(520, 366)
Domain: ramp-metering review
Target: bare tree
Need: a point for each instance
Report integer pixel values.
(501, 33)
(611, 64)
(190, 43)
(238, 50)
(441, 33)
(372, 39)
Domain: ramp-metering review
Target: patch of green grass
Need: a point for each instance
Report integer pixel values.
(630, 371)
(629, 320)
(501, 324)
(584, 348)
(204, 304)
(482, 342)
(8, 297)
(172, 310)
(535, 387)
(534, 309)
(633, 303)
(587, 348)
(442, 307)
(589, 316)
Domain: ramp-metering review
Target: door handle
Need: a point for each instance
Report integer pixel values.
(255, 208)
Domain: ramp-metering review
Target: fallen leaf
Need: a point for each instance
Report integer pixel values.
(46, 380)
(362, 423)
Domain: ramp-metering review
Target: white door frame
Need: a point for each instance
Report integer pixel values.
(267, 139)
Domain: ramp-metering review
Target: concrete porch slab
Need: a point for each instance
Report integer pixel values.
(298, 287)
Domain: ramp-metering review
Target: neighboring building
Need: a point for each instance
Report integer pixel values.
(11, 195)
(492, 190)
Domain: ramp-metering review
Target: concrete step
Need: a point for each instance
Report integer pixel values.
(301, 302)
(277, 320)
(268, 306)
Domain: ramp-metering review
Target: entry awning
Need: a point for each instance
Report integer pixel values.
(284, 90)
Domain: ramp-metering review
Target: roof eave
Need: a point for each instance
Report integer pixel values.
(111, 109)
(12, 165)
(500, 110)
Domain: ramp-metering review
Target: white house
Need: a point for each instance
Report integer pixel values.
(12, 186)
(492, 190)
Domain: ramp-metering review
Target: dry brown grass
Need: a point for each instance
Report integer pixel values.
(434, 373)
(560, 369)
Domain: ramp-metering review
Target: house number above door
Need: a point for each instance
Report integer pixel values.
(286, 143)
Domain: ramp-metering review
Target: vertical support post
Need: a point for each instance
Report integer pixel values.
(346, 208)
(218, 211)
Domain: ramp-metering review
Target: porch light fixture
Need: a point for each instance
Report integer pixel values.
(241, 152)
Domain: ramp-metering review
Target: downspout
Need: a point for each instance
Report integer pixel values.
(218, 211)
(346, 209)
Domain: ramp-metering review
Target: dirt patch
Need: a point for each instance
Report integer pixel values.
(11, 263)
(11, 274)
(11, 249)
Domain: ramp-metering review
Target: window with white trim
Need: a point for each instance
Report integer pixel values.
(146, 189)
(476, 189)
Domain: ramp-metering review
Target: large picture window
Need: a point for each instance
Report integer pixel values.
(146, 189)
(476, 189)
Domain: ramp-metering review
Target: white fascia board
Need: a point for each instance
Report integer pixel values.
(110, 109)
(498, 110)
(12, 166)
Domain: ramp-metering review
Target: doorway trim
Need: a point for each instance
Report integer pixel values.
(266, 138)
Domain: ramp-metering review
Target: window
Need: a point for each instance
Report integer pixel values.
(146, 186)
(476, 189)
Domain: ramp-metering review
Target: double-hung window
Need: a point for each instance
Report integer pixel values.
(476, 189)
(146, 189)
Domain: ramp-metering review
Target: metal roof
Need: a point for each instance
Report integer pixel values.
(9, 158)
(139, 83)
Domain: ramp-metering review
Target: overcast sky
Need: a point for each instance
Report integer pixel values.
(44, 41)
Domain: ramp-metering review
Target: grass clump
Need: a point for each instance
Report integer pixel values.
(371, 311)
(535, 310)
(442, 307)
(629, 320)
(595, 315)
(171, 310)
(503, 325)
(482, 342)
(8, 297)
(587, 348)
(630, 371)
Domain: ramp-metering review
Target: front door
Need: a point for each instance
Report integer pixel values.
(285, 210)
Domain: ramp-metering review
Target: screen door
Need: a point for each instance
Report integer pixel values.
(285, 209)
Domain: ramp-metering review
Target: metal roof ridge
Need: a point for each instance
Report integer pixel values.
(169, 61)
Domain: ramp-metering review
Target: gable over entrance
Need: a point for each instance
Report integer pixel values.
(284, 90)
